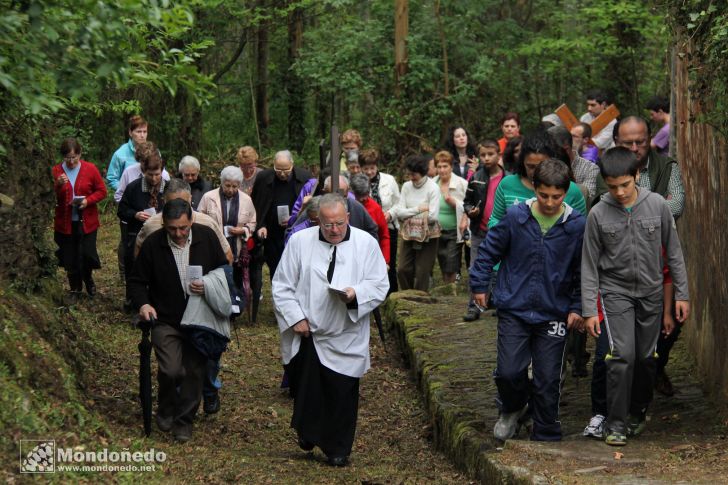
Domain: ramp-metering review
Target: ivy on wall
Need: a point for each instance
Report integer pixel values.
(704, 23)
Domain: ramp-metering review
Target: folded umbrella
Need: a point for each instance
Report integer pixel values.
(145, 374)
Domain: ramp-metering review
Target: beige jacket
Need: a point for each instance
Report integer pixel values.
(210, 204)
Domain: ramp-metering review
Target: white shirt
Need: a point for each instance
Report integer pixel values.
(412, 197)
(604, 139)
(300, 291)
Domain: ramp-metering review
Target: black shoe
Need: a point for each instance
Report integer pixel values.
(472, 315)
(338, 460)
(90, 286)
(211, 404)
(73, 298)
(182, 432)
(164, 423)
(75, 282)
(579, 370)
(663, 384)
(305, 445)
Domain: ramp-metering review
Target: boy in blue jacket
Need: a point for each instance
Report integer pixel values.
(537, 293)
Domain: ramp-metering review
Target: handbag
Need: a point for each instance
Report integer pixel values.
(415, 228)
(418, 228)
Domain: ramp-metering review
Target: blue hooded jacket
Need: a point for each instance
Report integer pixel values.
(539, 277)
(122, 159)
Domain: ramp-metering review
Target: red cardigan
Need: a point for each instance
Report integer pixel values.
(88, 184)
(375, 211)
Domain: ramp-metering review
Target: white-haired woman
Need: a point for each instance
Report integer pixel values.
(189, 171)
(231, 208)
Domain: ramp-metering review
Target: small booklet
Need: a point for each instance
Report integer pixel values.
(194, 272)
(283, 214)
(77, 199)
(337, 291)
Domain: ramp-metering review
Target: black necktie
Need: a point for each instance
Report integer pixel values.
(332, 265)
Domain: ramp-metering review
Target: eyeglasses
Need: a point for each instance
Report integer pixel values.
(331, 225)
(630, 143)
(70, 158)
(286, 170)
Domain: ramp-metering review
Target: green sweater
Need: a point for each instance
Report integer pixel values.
(512, 191)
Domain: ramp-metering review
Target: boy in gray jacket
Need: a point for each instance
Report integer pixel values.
(622, 261)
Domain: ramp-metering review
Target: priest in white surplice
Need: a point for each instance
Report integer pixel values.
(328, 281)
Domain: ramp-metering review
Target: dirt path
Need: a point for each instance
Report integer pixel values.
(250, 441)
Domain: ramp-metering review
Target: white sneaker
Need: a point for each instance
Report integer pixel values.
(595, 428)
(507, 424)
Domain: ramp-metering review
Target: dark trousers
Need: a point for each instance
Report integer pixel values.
(542, 344)
(475, 240)
(633, 327)
(392, 273)
(325, 403)
(599, 374)
(129, 243)
(180, 375)
(272, 251)
(416, 263)
(211, 384)
(664, 346)
(120, 251)
(256, 286)
(599, 369)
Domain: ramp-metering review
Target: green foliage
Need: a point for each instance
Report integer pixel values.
(500, 58)
(57, 53)
(705, 24)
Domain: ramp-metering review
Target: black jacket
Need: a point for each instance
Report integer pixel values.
(262, 194)
(133, 201)
(155, 279)
(199, 187)
(475, 197)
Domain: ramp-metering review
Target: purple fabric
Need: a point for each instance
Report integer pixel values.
(591, 153)
(306, 190)
(662, 140)
(298, 227)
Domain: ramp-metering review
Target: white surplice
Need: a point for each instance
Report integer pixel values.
(301, 291)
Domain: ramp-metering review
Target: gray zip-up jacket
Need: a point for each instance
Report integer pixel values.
(622, 250)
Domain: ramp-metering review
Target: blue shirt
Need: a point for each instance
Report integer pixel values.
(72, 174)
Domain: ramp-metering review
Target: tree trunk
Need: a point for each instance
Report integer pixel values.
(401, 29)
(443, 44)
(295, 88)
(261, 103)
